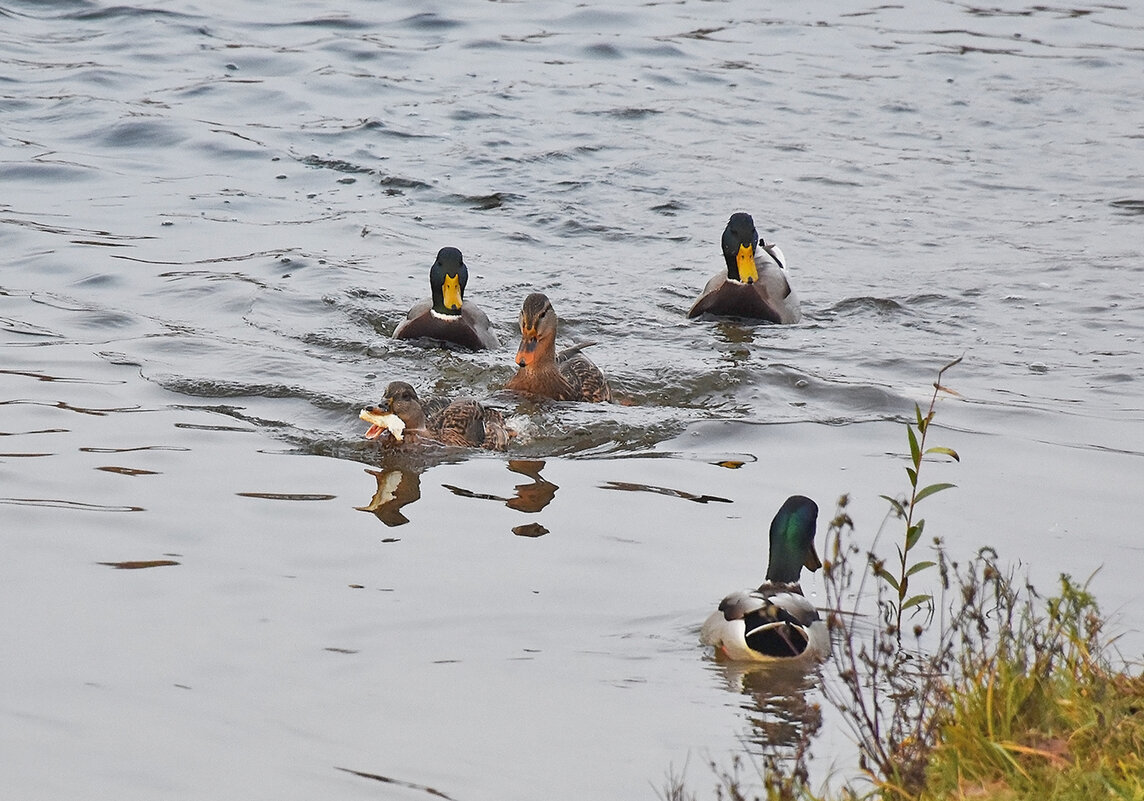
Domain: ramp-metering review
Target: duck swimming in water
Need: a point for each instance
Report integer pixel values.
(567, 375)
(755, 285)
(775, 622)
(463, 423)
(447, 316)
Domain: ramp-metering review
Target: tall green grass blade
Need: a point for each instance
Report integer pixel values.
(1000, 748)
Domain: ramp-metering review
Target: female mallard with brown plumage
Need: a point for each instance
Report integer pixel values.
(567, 375)
(776, 622)
(463, 423)
(755, 285)
(447, 316)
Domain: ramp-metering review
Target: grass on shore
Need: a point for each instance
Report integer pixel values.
(1004, 695)
(1040, 710)
(1025, 699)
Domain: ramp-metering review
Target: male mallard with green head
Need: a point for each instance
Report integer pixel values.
(755, 285)
(447, 316)
(775, 622)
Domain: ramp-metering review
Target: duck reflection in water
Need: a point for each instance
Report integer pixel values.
(529, 498)
(735, 334)
(783, 722)
(396, 487)
(537, 494)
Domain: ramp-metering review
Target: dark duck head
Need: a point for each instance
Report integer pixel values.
(739, 242)
(447, 278)
(792, 540)
(401, 399)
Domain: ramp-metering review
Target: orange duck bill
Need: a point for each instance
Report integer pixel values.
(526, 353)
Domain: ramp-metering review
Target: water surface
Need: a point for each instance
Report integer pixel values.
(213, 216)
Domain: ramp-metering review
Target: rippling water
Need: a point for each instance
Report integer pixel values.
(213, 215)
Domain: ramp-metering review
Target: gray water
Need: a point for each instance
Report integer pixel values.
(212, 216)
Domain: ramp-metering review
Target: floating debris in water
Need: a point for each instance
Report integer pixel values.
(140, 565)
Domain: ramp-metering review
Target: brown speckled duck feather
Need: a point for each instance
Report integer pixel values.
(568, 375)
(463, 423)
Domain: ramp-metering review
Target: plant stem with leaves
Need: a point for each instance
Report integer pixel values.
(905, 509)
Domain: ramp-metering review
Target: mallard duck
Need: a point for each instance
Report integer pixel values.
(775, 622)
(462, 423)
(446, 316)
(568, 375)
(756, 283)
